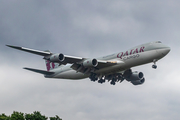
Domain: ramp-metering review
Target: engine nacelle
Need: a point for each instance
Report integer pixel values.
(90, 63)
(57, 58)
(138, 82)
(134, 76)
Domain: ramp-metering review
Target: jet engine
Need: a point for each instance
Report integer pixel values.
(90, 63)
(57, 58)
(136, 77)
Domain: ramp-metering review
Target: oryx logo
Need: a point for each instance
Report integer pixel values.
(49, 65)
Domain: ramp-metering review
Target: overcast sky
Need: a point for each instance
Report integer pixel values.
(89, 28)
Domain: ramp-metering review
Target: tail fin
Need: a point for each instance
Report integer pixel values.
(51, 65)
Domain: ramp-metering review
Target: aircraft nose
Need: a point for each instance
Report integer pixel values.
(166, 50)
(163, 50)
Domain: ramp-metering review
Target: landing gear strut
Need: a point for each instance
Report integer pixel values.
(154, 66)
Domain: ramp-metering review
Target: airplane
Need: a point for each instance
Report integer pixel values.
(112, 68)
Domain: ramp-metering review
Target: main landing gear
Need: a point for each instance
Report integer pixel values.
(93, 77)
(154, 66)
(112, 78)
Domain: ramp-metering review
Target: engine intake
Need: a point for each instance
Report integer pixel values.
(61, 57)
(90, 63)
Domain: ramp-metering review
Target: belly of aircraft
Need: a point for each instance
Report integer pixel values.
(71, 74)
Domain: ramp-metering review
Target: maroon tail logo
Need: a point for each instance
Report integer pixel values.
(49, 65)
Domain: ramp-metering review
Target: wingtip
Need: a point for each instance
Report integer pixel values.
(8, 45)
(26, 68)
(11, 46)
(16, 47)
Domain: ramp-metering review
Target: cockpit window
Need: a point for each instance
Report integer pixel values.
(158, 42)
(155, 42)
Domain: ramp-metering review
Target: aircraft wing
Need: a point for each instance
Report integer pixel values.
(78, 63)
(48, 55)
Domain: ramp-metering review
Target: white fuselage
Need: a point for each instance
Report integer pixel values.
(136, 56)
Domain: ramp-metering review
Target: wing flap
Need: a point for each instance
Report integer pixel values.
(37, 52)
(40, 71)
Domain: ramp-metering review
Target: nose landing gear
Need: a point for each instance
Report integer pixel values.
(154, 66)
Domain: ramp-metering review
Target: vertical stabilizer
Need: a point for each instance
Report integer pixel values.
(51, 65)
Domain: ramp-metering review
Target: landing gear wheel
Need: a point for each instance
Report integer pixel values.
(112, 83)
(154, 66)
(101, 81)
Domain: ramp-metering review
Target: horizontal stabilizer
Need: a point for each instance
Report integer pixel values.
(37, 52)
(40, 71)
